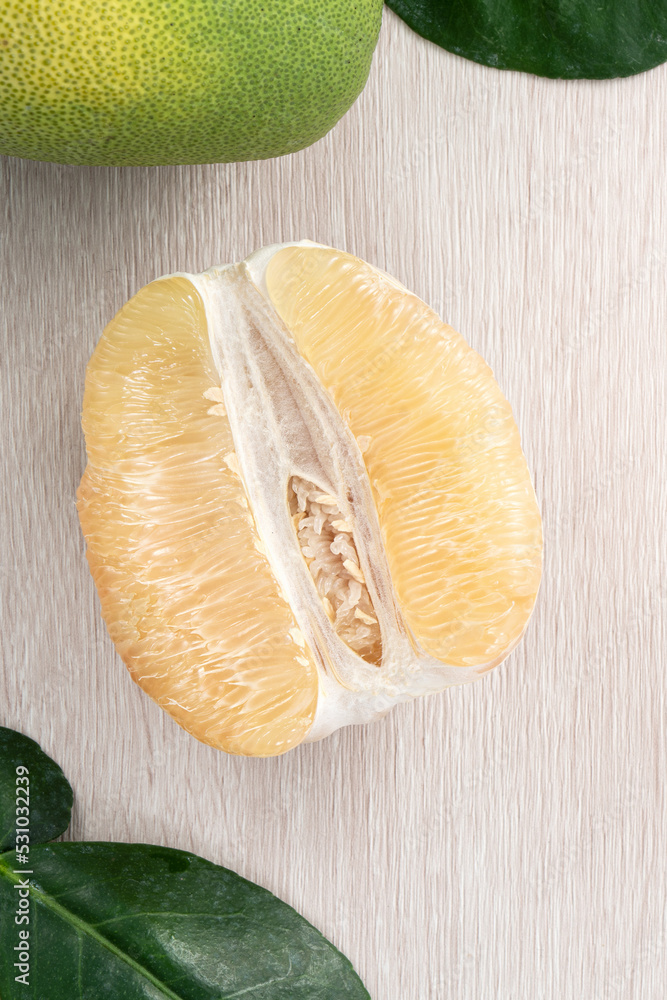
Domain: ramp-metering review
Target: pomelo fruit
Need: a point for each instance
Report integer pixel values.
(137, 82)
(305, 499)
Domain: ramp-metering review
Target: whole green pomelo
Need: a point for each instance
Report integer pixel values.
(149, 82)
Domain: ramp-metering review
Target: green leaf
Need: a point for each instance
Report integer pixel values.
(559, 38)
(32, 786)
(134, 921)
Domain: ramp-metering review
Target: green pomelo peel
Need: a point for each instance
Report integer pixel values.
(180, 81)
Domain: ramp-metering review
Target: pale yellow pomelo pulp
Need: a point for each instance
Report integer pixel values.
(305, 499)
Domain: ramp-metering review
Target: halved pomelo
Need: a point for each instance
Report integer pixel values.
(305, 499)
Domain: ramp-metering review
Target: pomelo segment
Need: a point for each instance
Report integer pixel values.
(189, 598)
(456, 506)
(305, 501)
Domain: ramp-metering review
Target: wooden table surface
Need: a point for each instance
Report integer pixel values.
(501, 841)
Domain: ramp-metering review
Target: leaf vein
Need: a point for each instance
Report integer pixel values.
(166, 913)
(258, 986)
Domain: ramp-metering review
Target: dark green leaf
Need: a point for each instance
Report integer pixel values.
(32, 786)
(558, 38)
(132, 921)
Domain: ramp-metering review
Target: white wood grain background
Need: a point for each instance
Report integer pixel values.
(507, 840)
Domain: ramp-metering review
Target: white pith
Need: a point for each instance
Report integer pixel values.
(285, 425)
